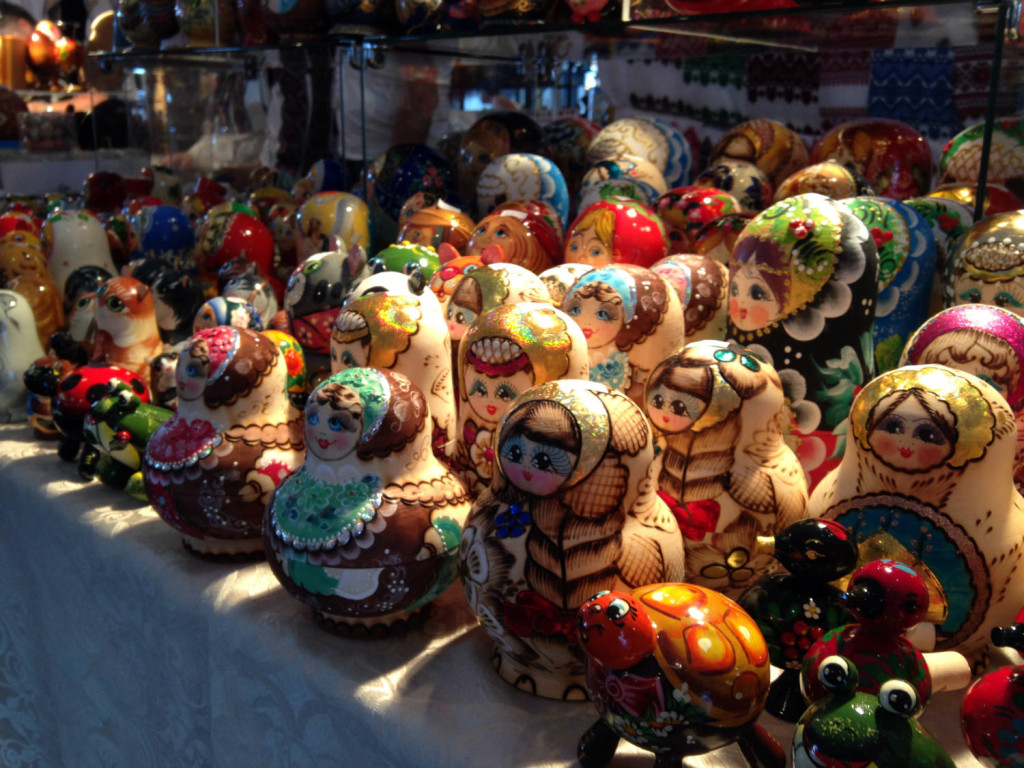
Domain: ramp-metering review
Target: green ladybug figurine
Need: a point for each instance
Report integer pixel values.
(851, 727)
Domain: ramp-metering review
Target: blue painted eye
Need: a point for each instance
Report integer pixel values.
(604, 315)
(313, 418)
(334, 423)
(574, 310)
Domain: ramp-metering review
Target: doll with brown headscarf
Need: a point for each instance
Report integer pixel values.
(571, 511)
(210, 470)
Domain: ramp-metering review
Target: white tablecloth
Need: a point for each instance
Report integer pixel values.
(118, 648)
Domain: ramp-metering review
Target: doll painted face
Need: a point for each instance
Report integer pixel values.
(489, 396)
(333, 422)
(672, 410)
(752, 302)
(912, 430)
(1008, 294)
(193, 371)
(586, 247)
(599, 315)
(459, 318)
(537, 466)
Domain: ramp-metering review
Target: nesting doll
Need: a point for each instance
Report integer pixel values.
(505, 352)
(20, 348)
(490, 286)
(776, 150)
(686, 209)
(617, 231)
(559, 279)
(46, 302)
(927, 479)
(829, 178)
(126, 329)
(493, 135)
(227, 310)
(986, 266)
(518, 237)
(73, 239)
(436, 224)
(724, 469)
(983, 340)
(450, 271)
(331, 221)
(906, 264)
(948, 220)
(623, 175)
(522, 176)
(961, 157)
(367, 531)
(406, 334)
(165, 232)
(632, 320)
(747, 183)
(211, 469)
(21, 257)
(259, 292)
(803, 281)
(571, 511)
(702, 284)
(647, 139)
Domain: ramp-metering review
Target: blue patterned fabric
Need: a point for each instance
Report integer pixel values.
(915, 85)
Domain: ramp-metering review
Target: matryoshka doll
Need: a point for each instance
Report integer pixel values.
(647, 139)
(73, 239)
(513, 236)
(776, 150)
(504, 353)
(46, 302)
(927, 479)
(961, 157)
(724, 469)
(126, 330)
(493, 135)
(632, 320)
(703, 287)
(686, 209)
(227, 310)
(19, 349)
(986, 341)
(367, 531)
(571, 511)
(522, 176)
(803, 282)
(229, 235)
(987, 265)
(436, 224)
(330, 221)
(560, 278)
(406, 334)
(829, 177)
(617, 231)
(211, 469)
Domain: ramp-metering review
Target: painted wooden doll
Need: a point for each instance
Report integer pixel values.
(227, 310)
(778, 151)
(632, 320)
(73, 239)
(617, 231)
(46, 302)
(19, 349)
(522, 176)
(987, 265)
(906, 263)
(210, 470)
(504, 353)
(983, 340)
(803, 282)
(406, 334)
(513, 236)
(571, 511)
(177, 296)
(724, 469)
(367, 531)
(559, 279)
(703, 287)
(927, 479)
(126, 330)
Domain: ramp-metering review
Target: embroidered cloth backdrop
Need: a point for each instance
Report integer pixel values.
(117, 648)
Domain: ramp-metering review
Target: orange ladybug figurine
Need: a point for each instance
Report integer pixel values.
(676, 669)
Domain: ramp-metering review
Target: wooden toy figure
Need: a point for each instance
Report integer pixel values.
(406, 334)
(632, 320)
(803, 281)
(796, 608)
(724, 469)
(886, 599)
(992, 710)
(514, 236)
(676, 669)
(211, 469)
(367, 531)
(986, 265)
(559, 279)
(571, 511)
(617, 231)
(19, 349)
(177, 296)
(776, 150)
(436, 224)
(46, 302)
(227, 310)
(73, 239)
(852, 727)
(984, 340)
(126, 330)
(703, 287)
(927, 478)
(504, 353)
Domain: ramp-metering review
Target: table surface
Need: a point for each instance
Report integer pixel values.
(117, 647)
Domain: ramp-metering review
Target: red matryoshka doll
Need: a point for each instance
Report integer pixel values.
(211, 469)
(367, 530)
(407, 334)
(632, 320)
(927, 479)
(104, 192)
(228, 236)
(73, 239)
(686, 209)
(127, 333)
(504, 353)
(512, 236)
(493, 135)
(436, 224)
(724, 470)
(893, 156)
(571, 511)
(617, 231)
(986, 265)
(803, 282)
(332, 221)
(703, 287)
(983, 340)
(776, 150)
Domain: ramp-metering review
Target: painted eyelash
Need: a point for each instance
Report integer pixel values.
(560, 462)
